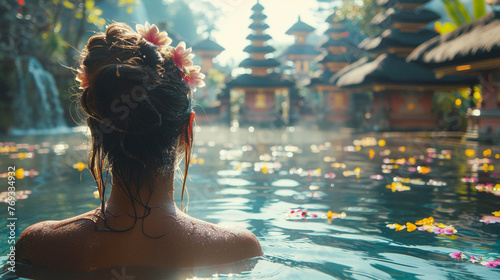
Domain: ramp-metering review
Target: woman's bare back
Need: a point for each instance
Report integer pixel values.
(74, 245)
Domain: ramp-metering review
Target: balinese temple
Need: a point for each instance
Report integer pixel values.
(402, 91)
(337, 55)
(207, 50)
(301, 53)
(266, 94)
(472, 49)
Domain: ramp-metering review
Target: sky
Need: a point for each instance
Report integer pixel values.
(281, 15)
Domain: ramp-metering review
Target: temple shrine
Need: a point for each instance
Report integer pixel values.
(212, 110)
(336, 105)
(301, 53)
(265, 93)
(402, 91)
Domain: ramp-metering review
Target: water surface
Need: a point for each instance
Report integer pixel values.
(255, 179)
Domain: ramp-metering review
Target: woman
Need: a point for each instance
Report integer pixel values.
(137, 97)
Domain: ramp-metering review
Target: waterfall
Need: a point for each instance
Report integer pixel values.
(37, 109)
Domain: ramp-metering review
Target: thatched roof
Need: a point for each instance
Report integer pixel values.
(392, 16)
(208, 45)
(302, 49)
(340, 42)
(258, 16)
(257, 7)
(249, 62)
(272, 80)
(475, 41)
(263, 37)
(389, 3)
(396, 38)
(300, 26)
(258, 26)
(346, 57)
(254, 49)
(389, 69)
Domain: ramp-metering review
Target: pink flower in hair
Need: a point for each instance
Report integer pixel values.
(193, 77)
(152, 34)
(82, 79)
(182, 56)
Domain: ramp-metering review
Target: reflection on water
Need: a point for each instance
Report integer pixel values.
(255, 179)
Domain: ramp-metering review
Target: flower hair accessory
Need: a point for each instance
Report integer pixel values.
(82, 78)
(181, 56)
(152, 34)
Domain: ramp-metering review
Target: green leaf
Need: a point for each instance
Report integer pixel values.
(463, 11)
(478, 8)
(452, 12)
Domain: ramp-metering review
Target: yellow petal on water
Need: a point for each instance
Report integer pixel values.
(496, 213)
(410, 227)
(487, 153)
(425, 221)
(96, 194)
(201, 161)
(381, 142)
(20, 173)
(68, 4)
(402, 149)
(265, 170)
(329, 215)
(470, 152)
(371, 153)
(80, 166)
(423, 169)
(399, 227)
(358, 148)
(412, 161)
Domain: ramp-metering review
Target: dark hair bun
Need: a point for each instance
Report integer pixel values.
(136, 101)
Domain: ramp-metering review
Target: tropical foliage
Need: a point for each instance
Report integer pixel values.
(459, 14)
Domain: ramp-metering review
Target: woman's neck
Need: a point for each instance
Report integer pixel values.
(158, 194)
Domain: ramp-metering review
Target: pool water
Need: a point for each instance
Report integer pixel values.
(281, 185)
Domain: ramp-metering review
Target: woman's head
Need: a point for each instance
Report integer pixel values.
(137, 96)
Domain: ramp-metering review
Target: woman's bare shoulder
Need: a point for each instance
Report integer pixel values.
(218, 244)
(51, 244)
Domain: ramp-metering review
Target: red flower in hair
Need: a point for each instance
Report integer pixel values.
(152, 34)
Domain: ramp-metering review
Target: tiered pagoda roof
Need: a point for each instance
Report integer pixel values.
(208, 45)
(406, 29)
(338, 50)
(301, 50)
(405, 22)
(257, 61)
